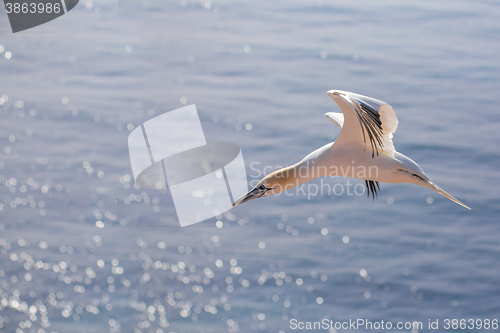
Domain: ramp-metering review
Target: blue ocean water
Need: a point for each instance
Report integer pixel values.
(72, 90)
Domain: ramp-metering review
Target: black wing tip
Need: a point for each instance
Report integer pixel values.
(370, 121)
(372, 187)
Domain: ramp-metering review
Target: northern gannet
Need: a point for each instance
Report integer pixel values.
(364, 146)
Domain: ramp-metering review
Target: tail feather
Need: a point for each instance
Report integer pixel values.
(446, 194)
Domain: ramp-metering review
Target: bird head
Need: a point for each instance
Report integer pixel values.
(258, 191)
(271, 184)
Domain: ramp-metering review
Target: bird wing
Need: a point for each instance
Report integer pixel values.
(372, 186)
(367, 123)
(336, 118)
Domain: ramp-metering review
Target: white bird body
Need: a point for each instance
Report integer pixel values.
(363, 150)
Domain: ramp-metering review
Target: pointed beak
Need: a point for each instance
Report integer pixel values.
(253, 194)
(446, 194)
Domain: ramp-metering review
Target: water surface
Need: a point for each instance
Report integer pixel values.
(75, 87)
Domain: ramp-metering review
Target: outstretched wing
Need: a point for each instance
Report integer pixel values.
(372, 186)
(368, 124)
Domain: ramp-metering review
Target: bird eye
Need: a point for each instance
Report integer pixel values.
(262, 187)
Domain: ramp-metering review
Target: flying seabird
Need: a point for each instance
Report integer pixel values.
(364, 146)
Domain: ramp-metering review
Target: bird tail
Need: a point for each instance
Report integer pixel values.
(446, 194)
